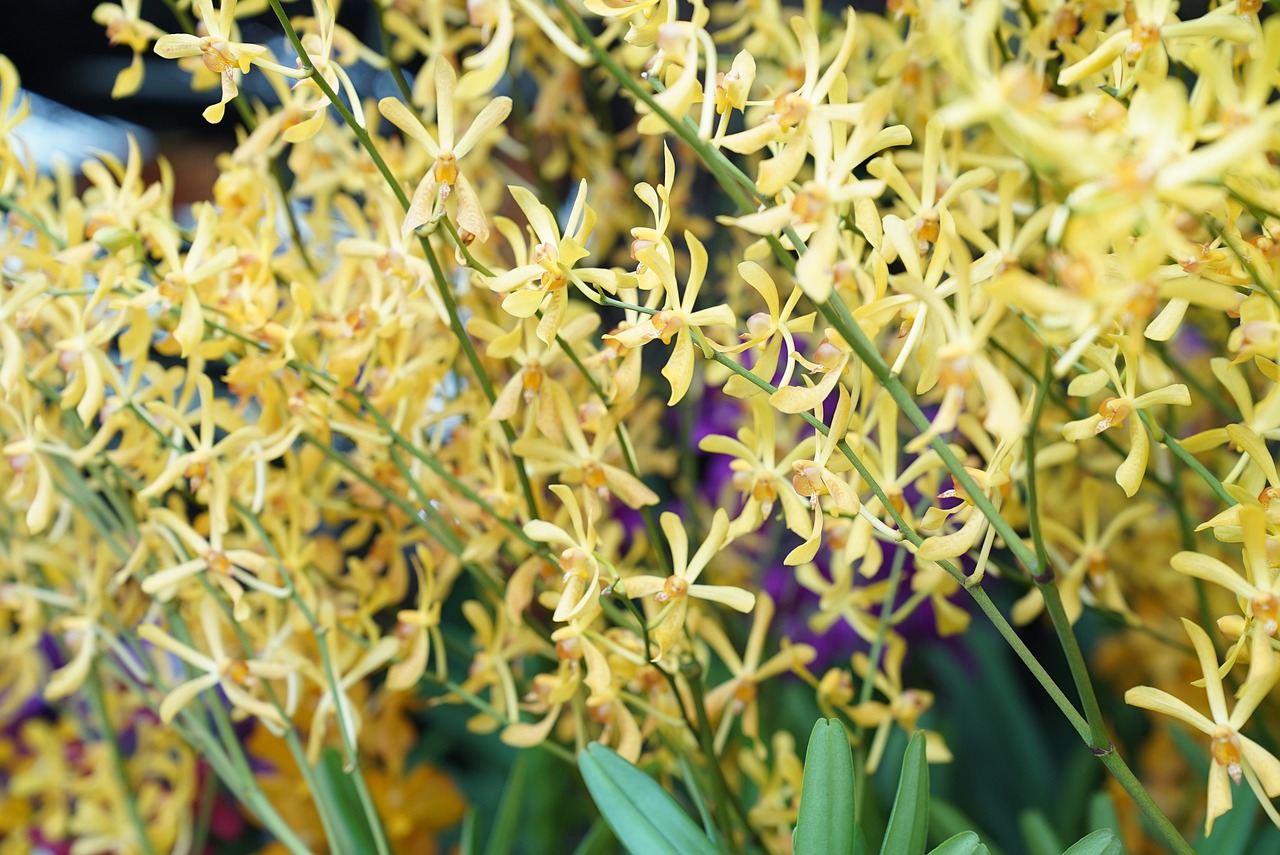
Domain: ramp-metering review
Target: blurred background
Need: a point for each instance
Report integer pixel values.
(65, 59)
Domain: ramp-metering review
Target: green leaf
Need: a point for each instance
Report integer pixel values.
(964, 843)
(643, 817)
(1231, 831)
(596, 841)
(1039, 834)
(946, 821)
(909, 820)
(469, 840)
(825, 822)
(338, 797)
(695, 795)
(1101, 842)
(506, 827)
(1102, 813)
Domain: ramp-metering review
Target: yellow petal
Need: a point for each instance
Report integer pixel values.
(1162, 702)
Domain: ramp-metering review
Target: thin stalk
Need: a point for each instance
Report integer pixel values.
(719, 792)
(868, 684)
(244, 781)
(1219, 403)
(384, 41)
(1124, 775)
(434, 465)
(127, 791)
(1099, 740)
(204, 815)
(1188, 531)
(1186, 457)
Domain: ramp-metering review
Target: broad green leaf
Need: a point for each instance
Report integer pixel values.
(1266, 840)
(1039, 834)
(338, 797)
(695, 796)
(909, 820)
(1077, 784)
(947, 821)
(964, 843)
(469, 842)
(1231, 831)
(597, 840)
(1101, 842)
(506, 827)
(644, 818)
(825, 822)
(1102, 813)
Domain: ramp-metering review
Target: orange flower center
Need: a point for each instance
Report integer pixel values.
(1266, 611)
(1226, 751)
(446, 172)
(675, 586)
(217, 54)
(1113, 411)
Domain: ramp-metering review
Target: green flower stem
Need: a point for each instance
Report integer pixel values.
(868, 683)
(719, 791)
(1186, 457)
(435, 466)
(442, 282)
(291, 737)
(127, 791)
(1229, 411)
(384, 41)
(1044, 577)
(10, 206)
(204, 817)
(180, 14)
(1187, 529)
(390, 496)
(1129, 782)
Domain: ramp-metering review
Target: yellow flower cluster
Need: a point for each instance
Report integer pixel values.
(972, 285)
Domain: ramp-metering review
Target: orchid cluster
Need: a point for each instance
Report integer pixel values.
(480, 395)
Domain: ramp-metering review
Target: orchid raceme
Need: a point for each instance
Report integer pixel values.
(319, 508)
